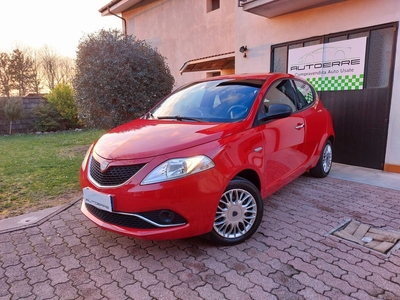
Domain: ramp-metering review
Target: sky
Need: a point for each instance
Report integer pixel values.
(59, 24)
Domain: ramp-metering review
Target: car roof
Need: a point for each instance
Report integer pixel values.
(247, 76)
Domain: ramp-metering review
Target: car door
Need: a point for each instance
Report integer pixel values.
(283, 138)
(314, 124)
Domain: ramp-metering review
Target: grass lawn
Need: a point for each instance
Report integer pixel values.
(41, 171)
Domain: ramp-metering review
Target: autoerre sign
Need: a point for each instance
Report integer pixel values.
(333, 66)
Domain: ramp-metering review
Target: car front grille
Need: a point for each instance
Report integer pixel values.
(146, 220)
(114, 175)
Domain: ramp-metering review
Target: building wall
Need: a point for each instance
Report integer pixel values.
(259, 33)
(183, 30)
(24, 125)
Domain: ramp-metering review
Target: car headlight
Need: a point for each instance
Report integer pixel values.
(178, 167)
(84, 162)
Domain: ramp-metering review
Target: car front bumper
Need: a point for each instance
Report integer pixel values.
(173, 209)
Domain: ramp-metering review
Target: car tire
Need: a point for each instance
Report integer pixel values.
(239, 213)
(324, 164)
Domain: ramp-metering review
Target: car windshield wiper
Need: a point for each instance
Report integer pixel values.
(179, 118)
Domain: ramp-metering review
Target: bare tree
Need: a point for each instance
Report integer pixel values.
(49, 62)
(27, 70)
(37, 74)
(55, 68)
(66, 70)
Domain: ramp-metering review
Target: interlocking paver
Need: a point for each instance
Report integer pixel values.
(365, 285)
(337, 283)
(233, 263)
(66, 290)
(135, 290)
(258, 294)
(331, 268)
(374, 268)
(110, 264)
(303, 255)
(284, 257)
(14, 273)
(21, 289)
(362, 295)
(89, 291)
(78, 276)
(192, 280)
(183, 291)
(292, 284)
(290, 256)
(315, 284)
(309, 293)
(4, 288)
(58, 275)
(36, 275)
(131, 264)
(70, 262)
(158, 291)
(100, 277)
(308, 268)
(112, 291)
(61, 250)
(168, 278)
(232, 292)
(43, 290)
(261, 266)
(241, 282)
(49, 262)
(145, 278)
(344, 265)
(283, 293)
(387, 285)
(122, 276)
(209, 292)
(6, 247)
(266, 283)
(213, 264)
(151, 264)
(338, 294)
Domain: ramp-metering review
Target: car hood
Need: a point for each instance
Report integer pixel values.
(148, 138)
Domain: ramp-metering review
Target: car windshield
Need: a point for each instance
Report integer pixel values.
(211, 101)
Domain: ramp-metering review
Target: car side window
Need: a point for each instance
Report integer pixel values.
(281, 91)
(305, 93)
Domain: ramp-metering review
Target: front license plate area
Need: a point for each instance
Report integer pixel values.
(97, 199)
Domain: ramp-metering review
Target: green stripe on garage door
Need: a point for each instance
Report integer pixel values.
(337, 83)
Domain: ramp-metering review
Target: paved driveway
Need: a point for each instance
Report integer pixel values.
(292, 256)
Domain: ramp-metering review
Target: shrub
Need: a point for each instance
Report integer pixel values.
(46, 118)
(118, 78)
(62, 99)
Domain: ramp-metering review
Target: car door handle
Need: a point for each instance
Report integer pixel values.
(300, 126)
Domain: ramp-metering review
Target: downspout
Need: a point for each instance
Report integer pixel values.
(125, 29)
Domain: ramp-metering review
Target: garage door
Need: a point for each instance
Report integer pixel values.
(360, 117)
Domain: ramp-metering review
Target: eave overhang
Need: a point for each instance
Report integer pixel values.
(117, 6)
(210, 63)
(274, 8)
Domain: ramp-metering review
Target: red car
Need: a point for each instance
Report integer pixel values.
(202, 160)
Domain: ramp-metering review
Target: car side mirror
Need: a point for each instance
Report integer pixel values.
(277, 111)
